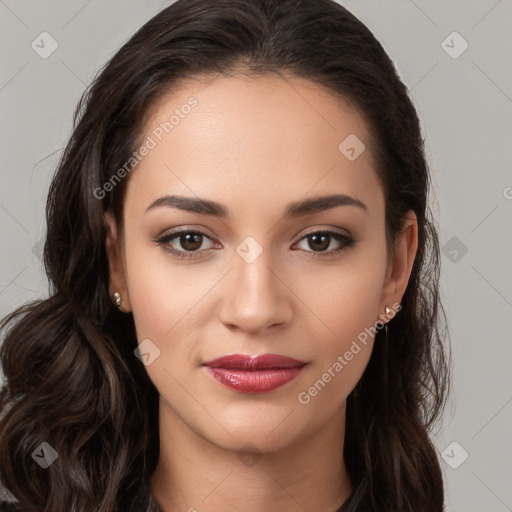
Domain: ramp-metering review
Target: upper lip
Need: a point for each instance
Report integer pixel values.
(254, 363)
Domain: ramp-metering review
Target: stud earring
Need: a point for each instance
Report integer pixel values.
(386, 324)
(388, 311)
(117, 298)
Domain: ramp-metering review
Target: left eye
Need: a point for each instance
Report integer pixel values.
(322, 240)
(191, 241)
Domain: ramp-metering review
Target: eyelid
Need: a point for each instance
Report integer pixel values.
(327, 229)
(340, 231)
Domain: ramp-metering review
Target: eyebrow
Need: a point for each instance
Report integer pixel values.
(295, 209)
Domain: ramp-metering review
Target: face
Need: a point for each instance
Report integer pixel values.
(257, 279)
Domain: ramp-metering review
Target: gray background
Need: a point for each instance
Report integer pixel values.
(465, 104)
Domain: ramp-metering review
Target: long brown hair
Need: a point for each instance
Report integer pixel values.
(72, 379)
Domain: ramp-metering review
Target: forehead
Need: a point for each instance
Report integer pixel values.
(261, 137)
(258, 106)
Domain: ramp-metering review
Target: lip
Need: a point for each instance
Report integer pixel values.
(254, 374)
(253, 363)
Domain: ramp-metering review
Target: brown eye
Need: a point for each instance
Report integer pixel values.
(188, 243)
(319, 242)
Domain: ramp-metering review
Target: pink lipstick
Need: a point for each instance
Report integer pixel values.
(254, 374)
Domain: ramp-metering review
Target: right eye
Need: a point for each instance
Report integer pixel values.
(190, 241)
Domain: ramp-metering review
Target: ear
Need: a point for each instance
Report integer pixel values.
(117, 281)
(400, 267)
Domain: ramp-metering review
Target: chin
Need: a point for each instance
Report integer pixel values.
(260, 434)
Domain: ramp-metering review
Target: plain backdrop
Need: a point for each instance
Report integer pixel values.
(455, 57)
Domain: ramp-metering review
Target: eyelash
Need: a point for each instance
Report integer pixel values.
(163, 241)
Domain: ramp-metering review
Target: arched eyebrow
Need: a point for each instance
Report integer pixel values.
(295, 209)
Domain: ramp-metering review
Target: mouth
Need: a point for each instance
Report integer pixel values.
(254, 374)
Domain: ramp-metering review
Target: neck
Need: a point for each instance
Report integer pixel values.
(195, 474)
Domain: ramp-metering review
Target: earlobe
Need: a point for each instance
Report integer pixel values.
(118, 292)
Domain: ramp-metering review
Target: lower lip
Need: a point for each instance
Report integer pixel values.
(257, 381)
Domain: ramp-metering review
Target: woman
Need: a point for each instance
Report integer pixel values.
(244, 305)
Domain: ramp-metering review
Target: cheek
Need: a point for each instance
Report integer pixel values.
(166, 305)
(161, 292)
(346, 305)
(345, 298)
(342, 352)
(168, 302)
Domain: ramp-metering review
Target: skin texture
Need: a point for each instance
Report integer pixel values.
(255, 145)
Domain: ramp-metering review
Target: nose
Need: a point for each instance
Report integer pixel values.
(256, 296)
